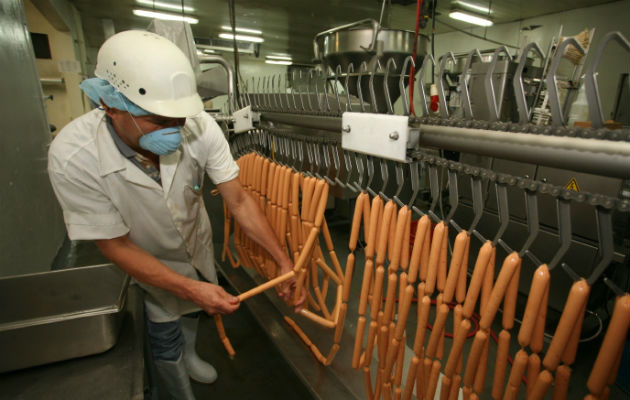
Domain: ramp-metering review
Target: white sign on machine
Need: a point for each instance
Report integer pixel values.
(381, 135)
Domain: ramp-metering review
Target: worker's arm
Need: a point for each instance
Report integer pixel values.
(148, 269)
(255, 225)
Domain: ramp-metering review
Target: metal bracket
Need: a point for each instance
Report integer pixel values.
(380, 135)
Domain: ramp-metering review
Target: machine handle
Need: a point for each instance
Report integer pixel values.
(440, 83)
(551, 81)
(463, 83)
(493, 107)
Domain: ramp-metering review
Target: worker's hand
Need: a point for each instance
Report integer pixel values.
(214, 300)
(286, 290)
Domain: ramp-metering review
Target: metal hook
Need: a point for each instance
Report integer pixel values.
(401, 82)
(504, 215)
(309, 155)
(400, 181)
(423, 95)
(564, 226)
(463, 83)
(557, 116)
(349, 103)
(317, 159)
(377, 64)
(324, 91)
(337, 74)
(592, 89)
(477, 199)
(606, 247)
(440, 82)
(319, 103)
(453, 199)
(359, 90)
(390, 62)
(385, 176)
(434, 186)
(533, 225)
(369, 163)
(359, 163)
(327, 163)
(517, 82)
(415, 182)
(308, 92)
(337, 165)
(493, 107)
(300, 93)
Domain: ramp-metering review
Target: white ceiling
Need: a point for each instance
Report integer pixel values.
(289, 25)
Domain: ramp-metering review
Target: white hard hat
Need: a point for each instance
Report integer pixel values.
(151, 71)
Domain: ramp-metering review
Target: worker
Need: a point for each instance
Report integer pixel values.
(129, 176)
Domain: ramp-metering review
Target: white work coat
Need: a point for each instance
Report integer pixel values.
(104, 195)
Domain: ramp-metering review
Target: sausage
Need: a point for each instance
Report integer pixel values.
(356, 222)
(457, 348)
(457, 321)
(446, 387)
(317, 193)
(331, 355)
(375, 215)
(307, 196)
(441, 271)
(538, 336)
(388, 212)
(578, 295)
(433, 380)
(392, 280)
(488, 282)
(391, 233)
(377, 293)
(358, 342)
(402, 285)
(404, 253)
(500, 365)
(434, 256)
(418, 244)
(455, 385)
(439, 352)
(366, 214)
(540, 284)
(480, 375)
(369, 347)
(612, 345)
(421, 329)
(477, 278)
(438, 330)
(221, 330)
(508, 269)
(518, 369)
(404, 312)
(561, 385)
(400, 362)
(365, 286)
(368, 382)
(317, 319)
(509, 302)
(481, 338)
(456, 262)
(460, 291)
(394, 255)
(411, 378)
(542, 385)
(265, 286)
(533, 369)
(321, 207)
(568, 356)
(347, 280)
(343, 309)
(424, 259)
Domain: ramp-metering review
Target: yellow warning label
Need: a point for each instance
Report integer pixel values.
(572, 185)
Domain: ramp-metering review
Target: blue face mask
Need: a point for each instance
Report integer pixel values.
(163, 141)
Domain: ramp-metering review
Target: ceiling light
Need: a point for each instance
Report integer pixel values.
(166, 6)
(165, 16)
(281, 62)
(470, 18)
(242, 30)
(244, 38)
(285, 58)
(474, 7)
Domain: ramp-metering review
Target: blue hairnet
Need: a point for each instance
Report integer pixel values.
(97, 88)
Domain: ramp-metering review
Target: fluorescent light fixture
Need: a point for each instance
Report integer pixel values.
(470, 18)
(166, 6)
(281, 62)
(473, 6)
(165, 16)
(284, 58)
(244, 38)
(242, 30)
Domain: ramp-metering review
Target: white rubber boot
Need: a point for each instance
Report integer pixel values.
(198, 369)
(175, 378)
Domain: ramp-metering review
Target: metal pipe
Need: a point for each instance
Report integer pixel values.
(208, 59)
(601, 157)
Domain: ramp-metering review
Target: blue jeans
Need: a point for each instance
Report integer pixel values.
(166, 339)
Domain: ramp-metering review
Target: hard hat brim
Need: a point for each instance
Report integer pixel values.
(178, 108)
